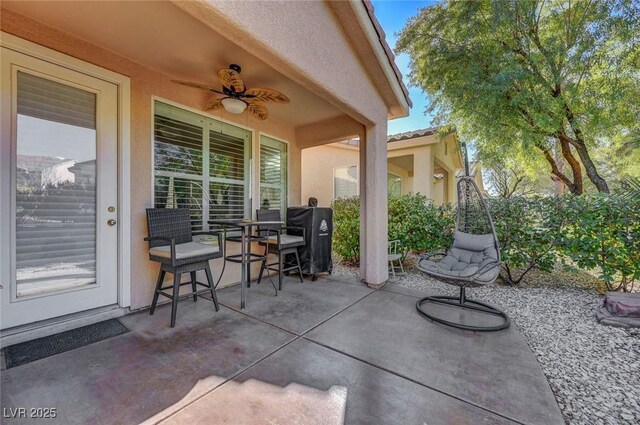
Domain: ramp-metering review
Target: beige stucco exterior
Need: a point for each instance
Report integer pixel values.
(425, 164)
(319, 61)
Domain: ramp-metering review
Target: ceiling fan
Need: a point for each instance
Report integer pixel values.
(236, 97)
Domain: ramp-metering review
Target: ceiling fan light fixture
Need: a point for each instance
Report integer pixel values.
(233, 105)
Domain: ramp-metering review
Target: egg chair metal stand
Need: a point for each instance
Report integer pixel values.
(472, 261)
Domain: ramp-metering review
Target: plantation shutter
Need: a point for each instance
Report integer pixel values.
(273, 174)
(201, 164)
(228, 174)
(178, 166)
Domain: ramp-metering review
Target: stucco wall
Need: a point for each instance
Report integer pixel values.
(146, 83)
(429, 157)
(318, 164)
(449, 159)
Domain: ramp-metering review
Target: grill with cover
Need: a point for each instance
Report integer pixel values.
(315, 255)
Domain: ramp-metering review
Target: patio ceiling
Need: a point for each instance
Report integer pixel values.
(404, 161)
(163, 37)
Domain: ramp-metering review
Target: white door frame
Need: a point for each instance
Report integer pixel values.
(124, 148)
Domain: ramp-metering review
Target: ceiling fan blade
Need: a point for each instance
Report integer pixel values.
(212, 104)
(197, 85)
(266, 95)
(258, 111)
(231, 79)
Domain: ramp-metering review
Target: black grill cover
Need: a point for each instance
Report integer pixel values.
(315, 256)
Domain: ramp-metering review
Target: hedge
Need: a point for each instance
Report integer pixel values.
(596, 231)
(419, 228)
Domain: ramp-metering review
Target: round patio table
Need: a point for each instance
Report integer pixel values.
(246, 257)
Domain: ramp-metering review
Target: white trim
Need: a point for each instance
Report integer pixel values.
(124, 192)
(59, 324)
(205, 116)
(198, 112)
(286, 142)
(124, 143)
(153, 152)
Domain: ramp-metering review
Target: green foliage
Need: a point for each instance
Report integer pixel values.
(596, 232)
(603, 233)
(417, 223)
(527, 234)
(517, 77)
(420, 225)
(346, 228)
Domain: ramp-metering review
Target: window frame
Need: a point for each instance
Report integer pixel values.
(285, 204)
(191, 116)
(397, 177)
(357, 167)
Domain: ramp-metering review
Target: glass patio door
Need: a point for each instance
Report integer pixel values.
(58, 188)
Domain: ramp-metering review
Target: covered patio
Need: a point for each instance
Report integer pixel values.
(396, 367)
(154, 146)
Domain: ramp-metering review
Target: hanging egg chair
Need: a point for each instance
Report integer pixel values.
(472, 261)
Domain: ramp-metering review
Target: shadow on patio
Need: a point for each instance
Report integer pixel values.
(396, 366)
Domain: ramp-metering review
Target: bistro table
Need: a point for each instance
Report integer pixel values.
(246, 257)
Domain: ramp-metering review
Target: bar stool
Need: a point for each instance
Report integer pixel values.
(279, 243)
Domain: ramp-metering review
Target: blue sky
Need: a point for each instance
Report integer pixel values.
(393, 15)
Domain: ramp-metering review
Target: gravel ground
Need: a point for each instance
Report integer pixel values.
(593, 370)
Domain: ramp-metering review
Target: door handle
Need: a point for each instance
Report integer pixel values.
(111, 222)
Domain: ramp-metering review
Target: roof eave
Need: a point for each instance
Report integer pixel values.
(370, 44)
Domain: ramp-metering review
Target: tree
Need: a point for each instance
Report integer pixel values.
(506, 182)
(526, 75)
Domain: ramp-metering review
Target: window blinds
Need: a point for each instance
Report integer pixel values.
(53, 101)
(201, 164)
(178, 167)
(273, 174)
(55, 197)
(228, 172)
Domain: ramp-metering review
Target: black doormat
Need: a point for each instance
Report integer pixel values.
(30, 351)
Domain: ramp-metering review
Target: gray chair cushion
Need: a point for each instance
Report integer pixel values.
(185, 250)
(470, 254)
(286, 241)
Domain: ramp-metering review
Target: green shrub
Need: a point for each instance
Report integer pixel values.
(527, 234)
(417, 223)
(597, 232)
(346, 228)
(602, 232)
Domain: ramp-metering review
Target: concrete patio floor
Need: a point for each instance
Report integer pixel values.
(398, 368)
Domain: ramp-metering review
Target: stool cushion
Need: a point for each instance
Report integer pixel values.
(184, 250)
(286, 241)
